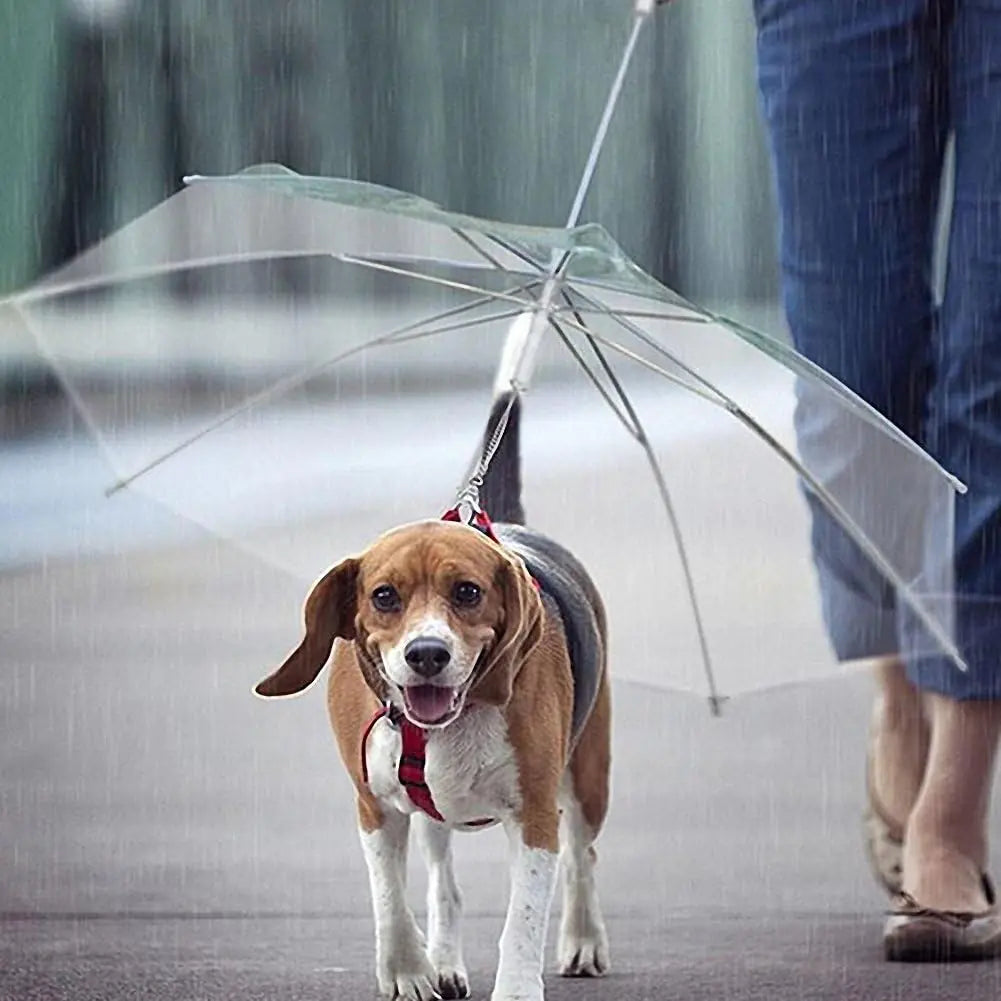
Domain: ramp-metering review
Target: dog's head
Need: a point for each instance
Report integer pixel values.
(438, 613)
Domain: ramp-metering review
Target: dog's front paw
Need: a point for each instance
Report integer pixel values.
(409, 978)
(452, 981)
(583, 953)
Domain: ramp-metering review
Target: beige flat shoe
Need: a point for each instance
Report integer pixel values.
(916, 934)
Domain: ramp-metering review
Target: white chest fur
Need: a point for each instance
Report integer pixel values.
(470, 767)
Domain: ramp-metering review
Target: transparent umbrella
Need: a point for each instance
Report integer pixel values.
(393, 308)
(719, 567)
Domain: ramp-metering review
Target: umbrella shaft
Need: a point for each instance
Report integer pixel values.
(606, 118)
(522, 343)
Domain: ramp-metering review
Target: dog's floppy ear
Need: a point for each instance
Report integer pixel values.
(330, 613)
(519, 636)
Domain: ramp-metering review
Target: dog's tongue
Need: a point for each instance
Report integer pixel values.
(428, 703)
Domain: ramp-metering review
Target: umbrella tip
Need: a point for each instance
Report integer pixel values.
(114, 488)
(716, 704)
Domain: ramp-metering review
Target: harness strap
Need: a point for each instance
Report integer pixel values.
(411, 771)
(412, 761)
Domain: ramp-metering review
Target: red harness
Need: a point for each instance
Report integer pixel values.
(412, 759)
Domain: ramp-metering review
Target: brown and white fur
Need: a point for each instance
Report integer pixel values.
(502, 743)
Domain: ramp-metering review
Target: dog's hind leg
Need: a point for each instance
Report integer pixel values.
(583, 941)
(444, 908)
(402, 965)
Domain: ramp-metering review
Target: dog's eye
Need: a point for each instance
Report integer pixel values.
(386, 599)
(466, 594)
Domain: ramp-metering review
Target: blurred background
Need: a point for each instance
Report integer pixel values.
(141, 783)
(485, 108)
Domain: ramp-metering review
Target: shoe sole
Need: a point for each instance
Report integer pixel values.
(932, 940)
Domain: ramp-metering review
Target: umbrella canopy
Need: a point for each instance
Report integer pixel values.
(714, 560)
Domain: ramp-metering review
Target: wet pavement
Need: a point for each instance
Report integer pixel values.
(165, 835)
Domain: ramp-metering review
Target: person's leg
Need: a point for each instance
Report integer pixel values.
(945, 849)
(946, 845)
(900, 741)
(853, 103)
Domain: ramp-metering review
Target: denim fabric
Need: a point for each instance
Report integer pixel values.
(859, 98)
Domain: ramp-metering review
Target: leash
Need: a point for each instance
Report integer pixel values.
(467, 509)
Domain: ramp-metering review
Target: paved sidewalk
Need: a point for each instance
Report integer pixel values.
(167, 836)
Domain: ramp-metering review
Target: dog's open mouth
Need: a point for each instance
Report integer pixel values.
(430, 703)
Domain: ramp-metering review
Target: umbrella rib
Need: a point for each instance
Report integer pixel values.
(440, 282)
(516, 252)
(68, 386)
(868, 412)
(555, 268)
(626, 402)
(833, 506)
(752, 337)
(400, 335)
(861, 539)
(704, 388)
(715, 699)
(629, 418)
(588, 371)
(711, 397)
(39, 293)
(637, 314)
(701, 316)
(650, 290)
(469, 241)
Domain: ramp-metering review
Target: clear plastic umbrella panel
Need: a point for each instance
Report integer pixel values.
(658, 439)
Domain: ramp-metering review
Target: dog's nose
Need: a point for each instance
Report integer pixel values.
(427, 656)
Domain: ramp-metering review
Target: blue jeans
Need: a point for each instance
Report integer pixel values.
(859, 98)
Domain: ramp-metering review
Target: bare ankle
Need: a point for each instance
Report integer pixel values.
(941, 876)
(945, 849)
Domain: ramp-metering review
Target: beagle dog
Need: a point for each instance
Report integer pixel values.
(468, 687)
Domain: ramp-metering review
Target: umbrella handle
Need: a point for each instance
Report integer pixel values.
(521, 345)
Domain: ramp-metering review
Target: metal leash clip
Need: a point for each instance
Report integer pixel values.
(467, 505)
